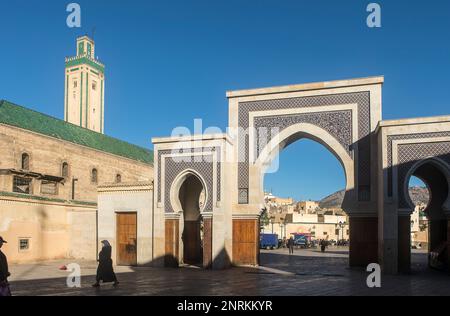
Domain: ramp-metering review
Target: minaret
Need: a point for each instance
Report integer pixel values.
(85, 88)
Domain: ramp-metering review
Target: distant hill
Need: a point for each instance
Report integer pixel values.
(333, 200)
(418, 194)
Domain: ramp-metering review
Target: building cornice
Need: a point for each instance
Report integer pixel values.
(413, 121)
(35, 199)
(307, 86)
(192, 138)
(142, 186)
(84, 60)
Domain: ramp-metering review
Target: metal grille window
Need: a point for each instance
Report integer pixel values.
(22, 185)
(321, 218)
(49, 187)
(24, 244)
(243, 196)
(65, 170)
(25, 161)
(94, 176)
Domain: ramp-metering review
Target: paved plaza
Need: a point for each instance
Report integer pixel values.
(307, 272)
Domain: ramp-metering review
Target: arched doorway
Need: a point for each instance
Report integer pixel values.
(341, 115)
(191, 196)
(319, 135)
(435, 175)
(363, 231)
(419, 193)
(296, 207)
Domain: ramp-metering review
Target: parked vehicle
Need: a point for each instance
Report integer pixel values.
(342, 242)
(282, 243)
(268, 241)
(302, 240)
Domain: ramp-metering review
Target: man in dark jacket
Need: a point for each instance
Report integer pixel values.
(291, 245)
(4, 272)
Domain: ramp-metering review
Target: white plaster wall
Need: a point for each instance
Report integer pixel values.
(304, 218)
(109, 203)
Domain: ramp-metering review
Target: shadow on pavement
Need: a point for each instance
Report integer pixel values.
(310, 275)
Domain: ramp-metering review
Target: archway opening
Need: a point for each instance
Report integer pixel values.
(305, 187)
(419, 193)
(435, 227)
(191, 196)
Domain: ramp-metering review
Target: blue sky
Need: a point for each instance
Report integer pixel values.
(169, 62)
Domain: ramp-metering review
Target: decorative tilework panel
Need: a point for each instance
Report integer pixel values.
(362, 99)
(194, 164)
(337, 123)
(392, 138)
(174, 168)
(410, 154)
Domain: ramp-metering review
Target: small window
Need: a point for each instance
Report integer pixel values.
(24, 244)
(65, 170)
(94, 85)
(325, 233)
(21, 185)
(25, 161)
(118, 178)
(49, 187)
(75, 84)
(94, 176)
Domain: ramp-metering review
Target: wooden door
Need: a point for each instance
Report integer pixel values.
(246, 241)
(172, 243)
(192, 243)
(127, 239)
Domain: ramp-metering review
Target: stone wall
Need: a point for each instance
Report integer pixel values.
(47, 155)
(82, 233)
(56, 226)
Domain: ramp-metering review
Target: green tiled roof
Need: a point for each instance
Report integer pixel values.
(15, 115)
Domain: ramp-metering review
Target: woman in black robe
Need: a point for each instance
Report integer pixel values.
(105, 270)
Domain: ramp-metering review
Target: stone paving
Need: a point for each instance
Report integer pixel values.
(307, 272)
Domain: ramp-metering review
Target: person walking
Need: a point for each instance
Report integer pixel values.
(323, 245)
(4, 271)
(105, 271)
(291, 245)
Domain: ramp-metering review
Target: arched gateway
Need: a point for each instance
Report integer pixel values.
(345, 117)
